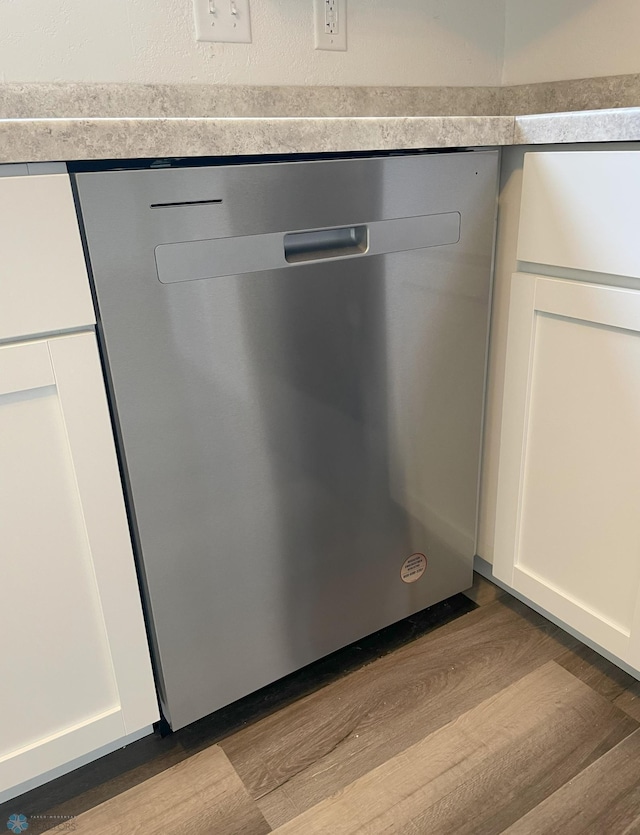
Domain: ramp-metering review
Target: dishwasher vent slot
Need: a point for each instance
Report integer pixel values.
(182, 203)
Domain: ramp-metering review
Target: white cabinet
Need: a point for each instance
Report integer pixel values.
(73, 648)
(567, 531)
(580, 211)
(564, 394)
(43, 277)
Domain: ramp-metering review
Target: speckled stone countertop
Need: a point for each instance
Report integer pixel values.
(43, 140)
(614, 125)
(67, 139)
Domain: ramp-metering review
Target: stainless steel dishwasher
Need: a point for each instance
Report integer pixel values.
(296, 359)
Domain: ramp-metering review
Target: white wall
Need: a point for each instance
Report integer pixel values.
(551, 40)
(391, 42)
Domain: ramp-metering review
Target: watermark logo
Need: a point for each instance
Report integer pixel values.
(61, 823)
(17, 823)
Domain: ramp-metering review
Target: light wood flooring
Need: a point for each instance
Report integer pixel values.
(497, 721)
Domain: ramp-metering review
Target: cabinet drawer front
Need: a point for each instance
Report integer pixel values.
(43, 278)
(580, 211)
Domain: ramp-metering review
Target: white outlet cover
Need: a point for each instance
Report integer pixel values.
(336, 40)
(222, 21)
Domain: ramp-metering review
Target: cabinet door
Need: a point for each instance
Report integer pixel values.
(568, 515)
(74, 654)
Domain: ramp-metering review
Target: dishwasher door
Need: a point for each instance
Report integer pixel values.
(296, 358)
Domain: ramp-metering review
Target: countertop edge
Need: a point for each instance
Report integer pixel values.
(44, 140)
(613, 125)
(67, 139)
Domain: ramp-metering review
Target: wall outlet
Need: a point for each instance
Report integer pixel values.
(330, 24)
(222, 21)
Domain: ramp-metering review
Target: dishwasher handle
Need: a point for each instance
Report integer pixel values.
(326, 243)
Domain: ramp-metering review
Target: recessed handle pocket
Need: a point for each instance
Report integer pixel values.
(325, 243)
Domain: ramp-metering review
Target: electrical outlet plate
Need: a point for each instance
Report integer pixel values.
(330, 24)
(222, 21)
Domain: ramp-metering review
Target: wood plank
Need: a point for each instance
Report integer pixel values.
(200, 795)
(277, 808)
(604, 798)
(98, 781)
(484, 770)
(629, 701)
(603, 676)
(331, 738)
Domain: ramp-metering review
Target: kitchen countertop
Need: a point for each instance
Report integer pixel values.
(40, 140)
(66, 139)
(613, 125)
